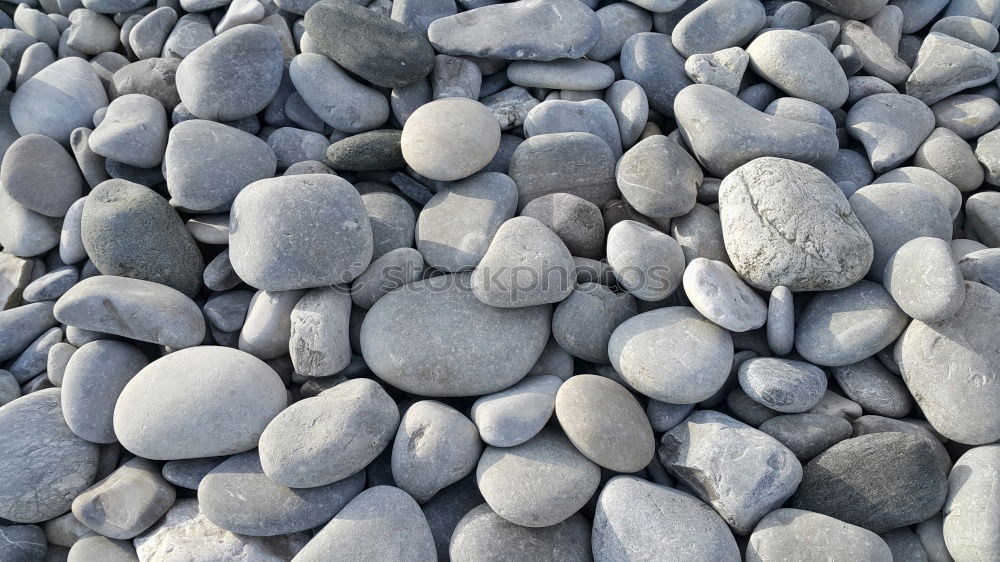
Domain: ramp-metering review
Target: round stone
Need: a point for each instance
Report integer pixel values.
(133, 131)
(371, 150)
(809, 434)
(783, 385)
(23, 543)
(874, 387)
(326, 438)
(539, 483)
(40, 175)
(512, 416)
(719, 294)
(924, 279)
(127, 502)
(450, 139)
(800, 65)
(59, 98)
(577, 222)
(647, 263)
(163, 411)
(605, 422)
(490, 348)
(335, 97)
(482, 534)
(583, 323)
(690, 368)
(969, 521)
(793, 534)
(94, 378)
(659, 178)
(297, 232)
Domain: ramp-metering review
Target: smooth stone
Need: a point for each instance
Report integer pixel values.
(381, 523)
(646, 262)
(583, 323)
(240, 12)
(227, 311)
(618, 22)
(149, 35)
(508, 278)
(783, 385)
(605, 422)
(699, 355)
(354, 421)
(659, 178)
(588, 116)
(962, 405)
(577, 222)
(132, 308)
(318, 342)
(393, 270)
(267, 330)
(794, 534)
(541, 30)
(188, 473)
(464, 322)
(952, 158)
(22, 325)
(895, 213)
(891, 127)
(712, 139)
(719, 294)
(723, 68)
(318, 235)
(980, 210)
(630, 106)
(986, 11)
(392, 221)
(293, 146)
(156, 77)
(190, 32)
(23, 543)
(877, 57)
(372, 150)
(186, 532)
(699, 234)
(455, 77)
(801, 110)
(538, 483)
(450, 139)
(435, 446)
(446, 509)
(981, 265)
(89, 33)
(634, 518)
(651, 60)
(757, 235)
(946, 66)
(133, 131)
(482, 535)
(860, 87)
(808, 434)
(970, 523)
(37, 24)
(988, 153)
(40, 175)
(90, 163)
(25, 233)
(206, 164)
(577, 163)
(967, 115)
(10, 389)
(924, 279)
(58, 99)
(510, 106)
(739, 471)
(238, 496)
(969, 29)
(210, 90)
(127, 502)
(33, 360)
(419, 14)
(93, 380)
(874, 387)
(781, 320)
(152, 421)
(52, 285)
(929, 180)
(48, 465)
(97, 547)
(718, 24)
(879, 482)
(515, 415)
(455, 228)
(562, 74)
(918, 13)
(801, 66)
(209, 229)
(131, 231)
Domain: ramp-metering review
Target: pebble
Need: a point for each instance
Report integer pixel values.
(482, 534)
(646, 262)
(515, 415)
(94, 377)
(699, 357)
(289, 246)
(924, 279)
(209, 89)
(52, 465)
(445, 309)
(968, 520)
(946, 66)
(381, 523)
(435, 446)
(739, 471)
(808, 434)
(355, 420)
(265, 508)
(630, 106)
(152, 421)
(583, 323)
(538, 483)
(652, 61)
(372, 150)
(188, 473)
(879, 482)
(97, 547)
(891, 127)
(783, 385)
(132, 308)
(980, 211)
(577, 222)
(588, 116)
(267, 330)
(967, 115)
(659, 178)
(126, 502)
(39, 174)
(22, 325)
(576, 162)
(541, 30)
(718, 24)
(131, 231)
(58, 99)
(801, 66)
(156, 77)
(634, 517)
(52, 285)
(618, 23)
(719, 294)
(794, 534)
(393, 270)
(723, 68)
(450, 139)
(874, 387)
(878, 58)
(952, 158)
(929, 180)
(373, 46)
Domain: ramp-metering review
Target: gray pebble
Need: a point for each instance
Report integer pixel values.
(877, 58)
(450, 139)
(154, 77)
(353, 422)
(32, 361)
(131, 231)
(24, 232)
(435, 446)
(833, 404)
(917, 13)
(563, 74)
(809, 434)
(190, 32)
(90, 163)
(982, 266)
(891, 127)
(10, 389)
(951, 157)
(968, 520)
(877, 390)
(583, 323)
(90, 33)
(219, 274)
(647, 263)
(589, 116)
(699, 234)
(319, 344)
(127, 502)
(530, 30)
(392, 221)
(659, 178)
(94, 378)
(52, 285)
(577, 222)
(393, 270)
(97, 547)
(739, 471)
(781, 320)
(924, 279)
(578, 163)
(719, 294)
(651, 60)
(801, 110)
(515, 415)
(133, 132)
(510, 106)
(419, 14)
(801, 66)
(783, 385)
(723, 68)
(630, 106)
(718, 24)
(237, 496)
(149, 35)
(227, 310)
(538, 483)
(967, 115)
(47, 104)
(618, 22)
(188, 473)
(946, 66)
(292, 146)
(699, 355)
(929, 180)
(23, 543)
(372, 150)
(267, 330)
(483, 535)
(39, 174)
(794, 534)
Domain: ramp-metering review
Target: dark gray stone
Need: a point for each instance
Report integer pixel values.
(39, 174)
(561, 116)
(659, 178)
(157, 78)
(392, 221)
(578, 163)
(372, 150)
(647, 263)
(584, 321)
(577, 222)
(22, 543)
(515, 415)
(718, 24)
(809, 434)
(650, 60)
(52, 285)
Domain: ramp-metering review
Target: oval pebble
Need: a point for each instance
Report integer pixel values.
(450, 139)
(482, 534)
(717, 292)
(94, 378)
(512, 416)
(783, 385)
